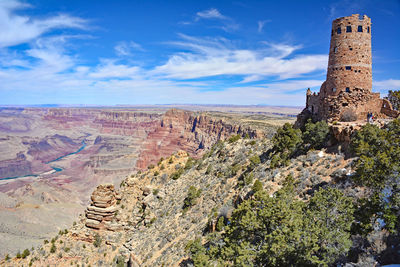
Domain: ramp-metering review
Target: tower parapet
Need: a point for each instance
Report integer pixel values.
(348, 85)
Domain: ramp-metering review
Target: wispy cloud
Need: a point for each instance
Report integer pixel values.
(211, 13)
(110, 69)
(261, 24)
(214, 56)
(17, 29)
(228, 24)
(126, 48)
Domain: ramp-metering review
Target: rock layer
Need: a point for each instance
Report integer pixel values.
(191, 132)
(100, 213)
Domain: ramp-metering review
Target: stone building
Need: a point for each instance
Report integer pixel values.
(347, 95)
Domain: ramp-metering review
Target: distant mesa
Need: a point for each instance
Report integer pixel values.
(347, 95)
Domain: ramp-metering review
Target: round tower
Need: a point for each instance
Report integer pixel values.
(350, 58)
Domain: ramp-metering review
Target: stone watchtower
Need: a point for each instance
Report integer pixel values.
(346, 95)
(350, 58)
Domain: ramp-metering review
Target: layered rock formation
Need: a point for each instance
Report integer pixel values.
(114, 140)
(189, 131)
(100, 213)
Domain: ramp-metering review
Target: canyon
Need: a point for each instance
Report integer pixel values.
(53, 158)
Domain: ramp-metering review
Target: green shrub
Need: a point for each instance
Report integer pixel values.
(394, 99)
(209, 169)
(255, 160)
(282, 231)
(155, 191)
(18, 256)
(97, 240)
(315, 135)
(177, 174)
(377, 167)
(120, 261)
(257, 186)
(220, 224)
(7, 257)
(286, 143)
(53, 248)
(248, 179)
(234, 169)
(191, 198)
(252, 142)
(234, 138)
(189, 163)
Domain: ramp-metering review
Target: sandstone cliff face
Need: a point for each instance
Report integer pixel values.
(188, 131)
(126, 123)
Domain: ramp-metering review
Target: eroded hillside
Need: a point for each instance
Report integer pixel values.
(149, 220)
(54, 158)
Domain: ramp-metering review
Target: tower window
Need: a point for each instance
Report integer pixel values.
(368, 29)
(348, 28)
(334, 89)
(348, 67)
(339, 30)
(347, 89)
(359, 28)
(335, 49)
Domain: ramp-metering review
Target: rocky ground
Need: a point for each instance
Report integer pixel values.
(34, 208)
(150, 218)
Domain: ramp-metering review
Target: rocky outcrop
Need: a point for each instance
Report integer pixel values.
(100, 213)
(342, 131)
(191, 132)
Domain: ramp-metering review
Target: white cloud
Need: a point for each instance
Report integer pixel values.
(211, 13)
(17, 29)
(295, 85)
(261, 24)
(389, 84)
(112, 70)
(125, 48)
(50, 54)
(214, 57)
(228, 24)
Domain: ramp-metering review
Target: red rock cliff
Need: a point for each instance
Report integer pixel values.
(188, 131)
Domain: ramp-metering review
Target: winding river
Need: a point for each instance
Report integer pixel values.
(55, 169)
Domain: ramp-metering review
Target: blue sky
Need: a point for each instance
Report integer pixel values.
(100, 52)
